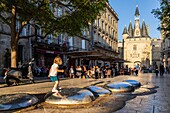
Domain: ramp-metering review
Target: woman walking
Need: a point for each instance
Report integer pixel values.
(156, 70)
(53, 75)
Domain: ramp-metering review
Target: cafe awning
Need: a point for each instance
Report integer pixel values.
(95, 55)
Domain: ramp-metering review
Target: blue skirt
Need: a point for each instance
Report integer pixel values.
(54, 78)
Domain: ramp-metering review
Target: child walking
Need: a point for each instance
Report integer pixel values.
(53, 75)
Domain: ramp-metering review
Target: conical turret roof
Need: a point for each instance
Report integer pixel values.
(144, 29)
(137, 11)
(125, 30)
(130, 30)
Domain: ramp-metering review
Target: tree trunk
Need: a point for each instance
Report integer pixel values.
(14, 52)
(14, 39)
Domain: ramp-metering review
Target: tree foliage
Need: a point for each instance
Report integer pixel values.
(43, 13)
(163, 14)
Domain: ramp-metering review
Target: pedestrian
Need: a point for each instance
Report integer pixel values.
(97, 72)
(71, 72)
(54, 77)
(19, 65)
(78, 71)
(161, 69)
(137, 69)
(156, 70)
(84, 71)
(30, 73)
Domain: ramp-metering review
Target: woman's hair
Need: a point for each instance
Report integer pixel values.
(57, 60)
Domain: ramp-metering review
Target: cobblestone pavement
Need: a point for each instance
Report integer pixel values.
(158, 102)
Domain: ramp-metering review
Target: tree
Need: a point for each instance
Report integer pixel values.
(163, 14)
(42, 12)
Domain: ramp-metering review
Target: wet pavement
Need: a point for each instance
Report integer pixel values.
(157, 102)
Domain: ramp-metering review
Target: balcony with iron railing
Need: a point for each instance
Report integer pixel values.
(75, 49)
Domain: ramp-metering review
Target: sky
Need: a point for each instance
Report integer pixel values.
(126, 10)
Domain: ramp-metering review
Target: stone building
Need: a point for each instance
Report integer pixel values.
(24, 46)
(97, 46)
(165, 43)
(120, 50)
(165, 52)
(156, 51)
(137, 43)
(100, 43)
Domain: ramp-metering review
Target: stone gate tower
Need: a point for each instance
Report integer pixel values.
(137, 43)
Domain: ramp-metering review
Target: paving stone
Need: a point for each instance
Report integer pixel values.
(122, 97)
(125, 111)
(149, 86)
(143, 91)
(139, 107)
(162, 109)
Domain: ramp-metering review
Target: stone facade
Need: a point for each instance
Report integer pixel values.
(137, 44)
(120, 50)
(138, 51)
(102, 37)
(99, 43)
(107, 28)
(5, 47)
(165, 46)
(5, 44)
(156, 51)
(165, 51)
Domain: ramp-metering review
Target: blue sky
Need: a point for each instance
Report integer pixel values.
(126, 9)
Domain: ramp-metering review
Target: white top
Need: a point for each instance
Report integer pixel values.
(53, 69)
(71, 70)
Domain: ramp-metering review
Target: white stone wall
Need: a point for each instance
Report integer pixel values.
(142, 52)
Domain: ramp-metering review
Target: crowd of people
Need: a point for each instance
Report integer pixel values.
(84, 71)
(92, 72)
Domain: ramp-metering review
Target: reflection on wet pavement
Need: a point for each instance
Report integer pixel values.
(158, 102)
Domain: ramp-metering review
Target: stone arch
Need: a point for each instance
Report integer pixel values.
(137, 62)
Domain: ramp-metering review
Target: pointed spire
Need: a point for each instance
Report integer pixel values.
(125, 30)
(144, 29)
(137, 11)
(130, 30)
